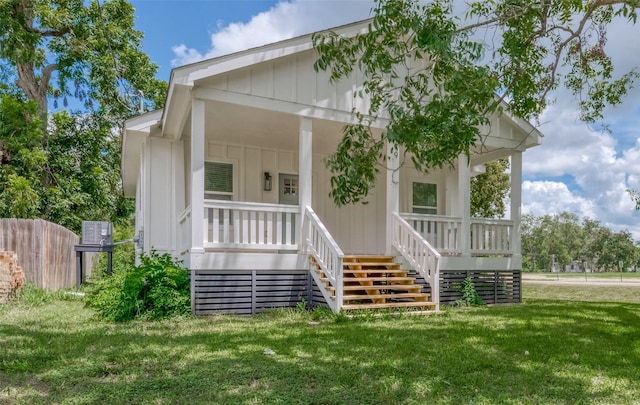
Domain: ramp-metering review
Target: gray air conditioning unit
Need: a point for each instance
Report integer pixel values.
(96, 233)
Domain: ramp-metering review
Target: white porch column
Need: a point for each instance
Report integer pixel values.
(516, 202)
(197, 180)
(305, 170)
(464, 203)
(178, 187)
(393, 193)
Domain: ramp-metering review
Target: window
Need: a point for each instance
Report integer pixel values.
(218, 181)
(290, 186)
(425, 198)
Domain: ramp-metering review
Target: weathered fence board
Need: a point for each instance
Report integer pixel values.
(45, 251)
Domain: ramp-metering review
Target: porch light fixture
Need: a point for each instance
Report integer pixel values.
(267, 181)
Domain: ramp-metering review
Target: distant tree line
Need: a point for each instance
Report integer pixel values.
(562, 240)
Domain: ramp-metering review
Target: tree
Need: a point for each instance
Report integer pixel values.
(435, 111)
(489, 190)
(65, 166)
(551, 239)
(70, 178)
(77, 49)
(613, 250)
(564, 239)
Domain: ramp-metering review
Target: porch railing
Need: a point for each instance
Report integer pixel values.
(184, 231)
(491, 236)
(486, 236)
(320, 244)
(443, 233)
(420, 254)
(242, 225)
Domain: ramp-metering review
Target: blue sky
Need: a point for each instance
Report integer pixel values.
(578, 168)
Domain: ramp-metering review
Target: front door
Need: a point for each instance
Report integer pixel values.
(288, 189)
(288, 194)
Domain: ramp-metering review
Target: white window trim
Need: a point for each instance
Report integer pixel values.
(235, 180)
(424, 181)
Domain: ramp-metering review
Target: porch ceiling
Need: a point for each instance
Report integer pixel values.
(236, 124)
(243, 125)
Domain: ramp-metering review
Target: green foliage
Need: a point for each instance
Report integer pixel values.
(58, 175)
(157, 288)
(490, 189)
(88, 51)
(434, 113)
(562, 239)
(32, 296)
(85, 55)
(434, 108)
(470, 295)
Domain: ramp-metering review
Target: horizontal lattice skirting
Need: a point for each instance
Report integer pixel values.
(493, 286)
(252, 291)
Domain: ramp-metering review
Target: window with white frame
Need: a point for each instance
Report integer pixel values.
(218, 181)
(424, 198)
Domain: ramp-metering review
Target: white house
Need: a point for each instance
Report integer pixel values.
(230, 177)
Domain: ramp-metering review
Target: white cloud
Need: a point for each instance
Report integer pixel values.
(284, 20)
(596, 169)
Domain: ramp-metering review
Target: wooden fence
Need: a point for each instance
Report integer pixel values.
(45, 251)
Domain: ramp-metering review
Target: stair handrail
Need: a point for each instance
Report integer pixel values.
(418, 252)
(320, 244)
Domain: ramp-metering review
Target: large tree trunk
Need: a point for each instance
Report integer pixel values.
(36, 88)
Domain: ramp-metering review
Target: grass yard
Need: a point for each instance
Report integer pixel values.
(613, 276)
(555, 348)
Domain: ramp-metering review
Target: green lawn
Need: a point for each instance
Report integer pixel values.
(547, 350)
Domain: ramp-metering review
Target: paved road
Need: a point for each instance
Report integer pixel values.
(547, 279)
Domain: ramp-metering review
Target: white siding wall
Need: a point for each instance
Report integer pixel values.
(292, 79)
(357, 228)
(249, 165)
(158, 230)
(409, 174)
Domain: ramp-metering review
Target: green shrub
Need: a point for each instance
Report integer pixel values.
(157, 288)
(470, 296)
(31, 295)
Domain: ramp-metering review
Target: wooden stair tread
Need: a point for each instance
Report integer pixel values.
(371, 264)
(379, 287)
(377, 282)
(377, 258)
(385, 305)
(377, 271)
(354, 297)
(387, 279)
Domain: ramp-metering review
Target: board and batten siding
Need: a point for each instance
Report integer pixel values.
(292, 79)
(249, 164)
(357, 228)
(162, 190)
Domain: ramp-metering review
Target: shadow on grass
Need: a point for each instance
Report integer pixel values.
(538, 352)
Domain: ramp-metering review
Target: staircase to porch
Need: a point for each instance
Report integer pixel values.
(377, 282)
